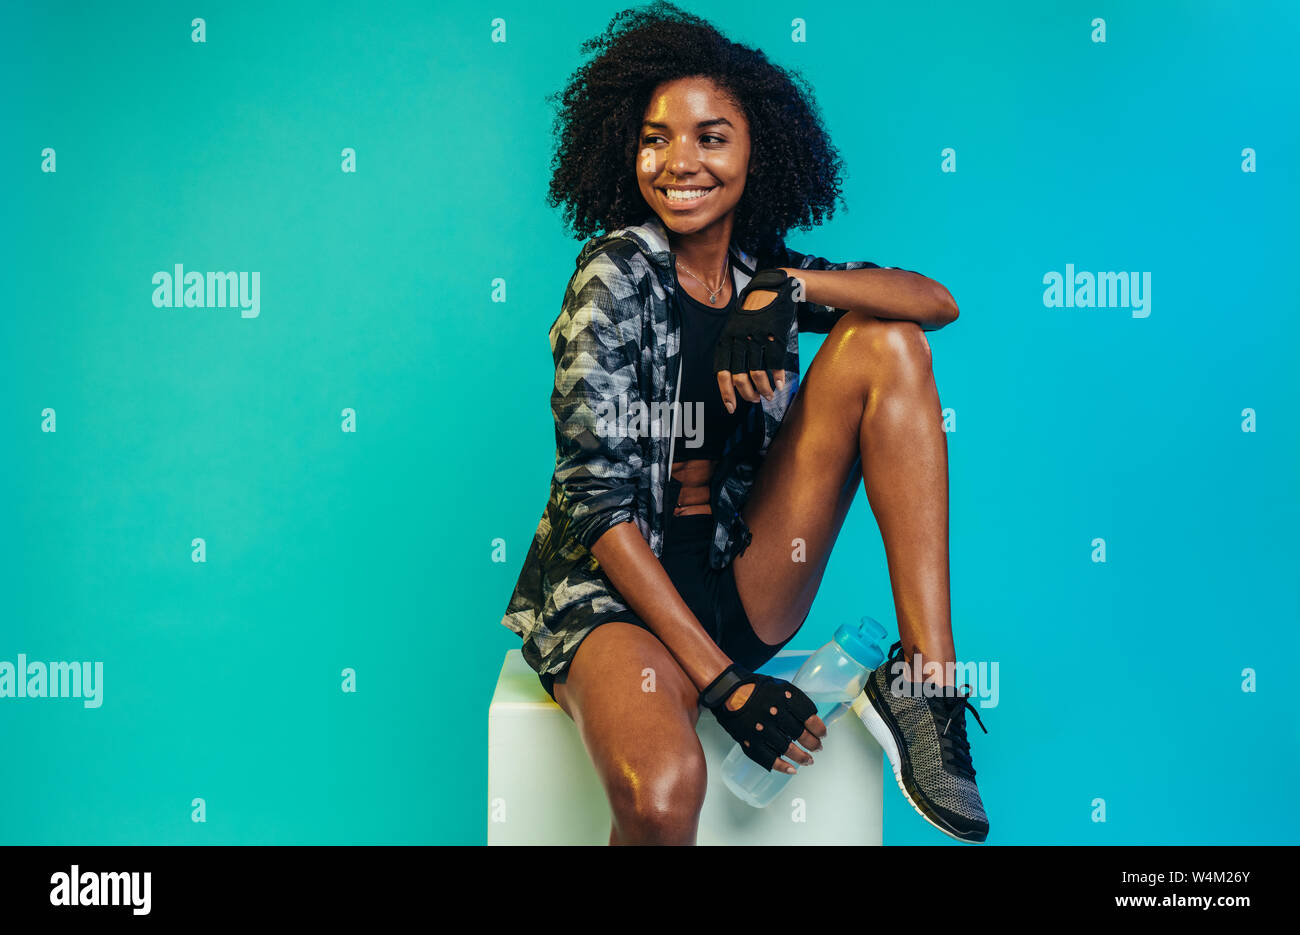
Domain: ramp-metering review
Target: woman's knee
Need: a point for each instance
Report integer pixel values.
(636, 710)
(874, 346)
(658, 801)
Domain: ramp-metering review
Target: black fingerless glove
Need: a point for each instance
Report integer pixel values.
(763, 736)
(744, 343)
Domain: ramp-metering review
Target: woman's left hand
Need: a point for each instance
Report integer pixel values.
(766, 313)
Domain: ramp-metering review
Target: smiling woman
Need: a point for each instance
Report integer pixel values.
(766, 128)
(694, 151)
(686, 158)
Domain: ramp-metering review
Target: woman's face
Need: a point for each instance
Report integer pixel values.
(695, 142)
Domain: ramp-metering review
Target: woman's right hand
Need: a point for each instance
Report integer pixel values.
(790, 716)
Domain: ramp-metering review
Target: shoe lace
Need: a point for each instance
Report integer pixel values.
(895, 652)
(951, 710)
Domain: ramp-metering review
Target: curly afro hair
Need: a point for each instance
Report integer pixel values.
(794, 177)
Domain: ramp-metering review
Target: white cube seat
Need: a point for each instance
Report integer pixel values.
(543, 788)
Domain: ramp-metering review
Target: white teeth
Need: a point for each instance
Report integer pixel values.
(673, 195)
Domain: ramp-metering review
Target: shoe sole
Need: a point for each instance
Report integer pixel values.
(864, 706)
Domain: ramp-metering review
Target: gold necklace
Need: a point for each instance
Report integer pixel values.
(713, 293)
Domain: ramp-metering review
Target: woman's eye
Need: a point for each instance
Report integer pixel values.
(708, 138)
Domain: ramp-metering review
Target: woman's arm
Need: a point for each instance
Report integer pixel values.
(595, 343)
(884, 293)
(633, 569)
(639, 577)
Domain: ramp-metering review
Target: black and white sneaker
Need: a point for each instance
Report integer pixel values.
(925, 740)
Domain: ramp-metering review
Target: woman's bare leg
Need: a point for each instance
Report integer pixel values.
(643, 743)
(868, 403)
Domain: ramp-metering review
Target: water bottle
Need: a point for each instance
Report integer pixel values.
(832, 678)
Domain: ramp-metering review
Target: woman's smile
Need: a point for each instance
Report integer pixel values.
(685, 198)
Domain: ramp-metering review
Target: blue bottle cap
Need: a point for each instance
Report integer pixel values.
(859, 642)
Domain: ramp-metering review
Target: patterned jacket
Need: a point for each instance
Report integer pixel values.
(616, 342)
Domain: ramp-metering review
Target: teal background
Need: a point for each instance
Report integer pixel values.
(373, 551)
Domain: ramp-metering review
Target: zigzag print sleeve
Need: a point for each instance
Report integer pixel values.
(596, 342)
(819, 319)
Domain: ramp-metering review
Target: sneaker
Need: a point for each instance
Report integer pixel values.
(925, 740)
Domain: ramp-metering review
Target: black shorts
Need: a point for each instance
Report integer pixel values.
(709, 592)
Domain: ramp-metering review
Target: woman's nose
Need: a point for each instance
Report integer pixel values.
(682, 159)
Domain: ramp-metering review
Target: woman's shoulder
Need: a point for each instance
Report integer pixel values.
(612, 264)
(615, 254)
(612, 270)
(623, 245)
(606, 292)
